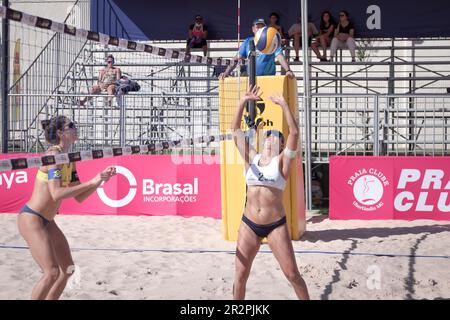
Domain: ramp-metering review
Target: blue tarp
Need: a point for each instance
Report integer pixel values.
(169, 19)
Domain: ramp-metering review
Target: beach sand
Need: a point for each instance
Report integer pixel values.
(126, 257)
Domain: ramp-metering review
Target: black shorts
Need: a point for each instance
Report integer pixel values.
(309, 41)
(197, 45)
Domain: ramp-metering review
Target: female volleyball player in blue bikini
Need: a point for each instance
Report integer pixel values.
(47, 243)
(264, 215)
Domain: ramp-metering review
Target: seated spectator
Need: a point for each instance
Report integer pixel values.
(274, 21)
(343, 36)
(265, 63)
(106, 81)
(198, 32)
(295, 32)
(326, 33)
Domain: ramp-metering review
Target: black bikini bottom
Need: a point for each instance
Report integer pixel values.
(263, 230)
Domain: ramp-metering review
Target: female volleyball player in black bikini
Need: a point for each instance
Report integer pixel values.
(264, 215)
(47, 243)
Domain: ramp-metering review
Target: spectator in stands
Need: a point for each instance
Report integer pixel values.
(198, 33)
(295, 32)
(265, 63)
(325, 36)
(274, 21)
(343, 36)
(106, 81)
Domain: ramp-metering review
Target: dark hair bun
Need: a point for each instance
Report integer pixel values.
(52, 126)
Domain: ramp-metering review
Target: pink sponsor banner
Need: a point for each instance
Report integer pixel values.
(15, 186)
(144, 185)
(406, 188)
(361, 188)
(209, 202)
(422, 188)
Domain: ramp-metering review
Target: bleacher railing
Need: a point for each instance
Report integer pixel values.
(410, 125)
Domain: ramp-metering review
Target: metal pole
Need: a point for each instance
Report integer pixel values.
(307, 102)
(411, 115)
(412, 90)
(391, 83)
(5, 80)
(391, 91)
(250, 118)
(122, 122)
(376, 119)
(252, 80)
(413, 59)
(238, 43)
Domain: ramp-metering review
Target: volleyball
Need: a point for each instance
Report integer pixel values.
(267, 40)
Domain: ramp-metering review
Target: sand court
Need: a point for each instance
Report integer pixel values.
(125, 257)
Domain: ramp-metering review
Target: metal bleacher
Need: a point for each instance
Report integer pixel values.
(385, 103)
(172, 92)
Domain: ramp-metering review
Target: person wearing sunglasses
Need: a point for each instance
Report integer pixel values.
(54, 183)
(343, 36)
(198, 33)
(107, 79)
(264, 216)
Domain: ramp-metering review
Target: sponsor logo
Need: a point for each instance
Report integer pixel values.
(131, 45)
(57, 174)
(152, 191)
(7, 179)
(260, 121)
(175, 54)
(368, 188)
(131, 193)
(168, 192)
(425, 191)
(70, 30)
(161, 52)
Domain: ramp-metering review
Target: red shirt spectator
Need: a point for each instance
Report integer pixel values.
(198, 32)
